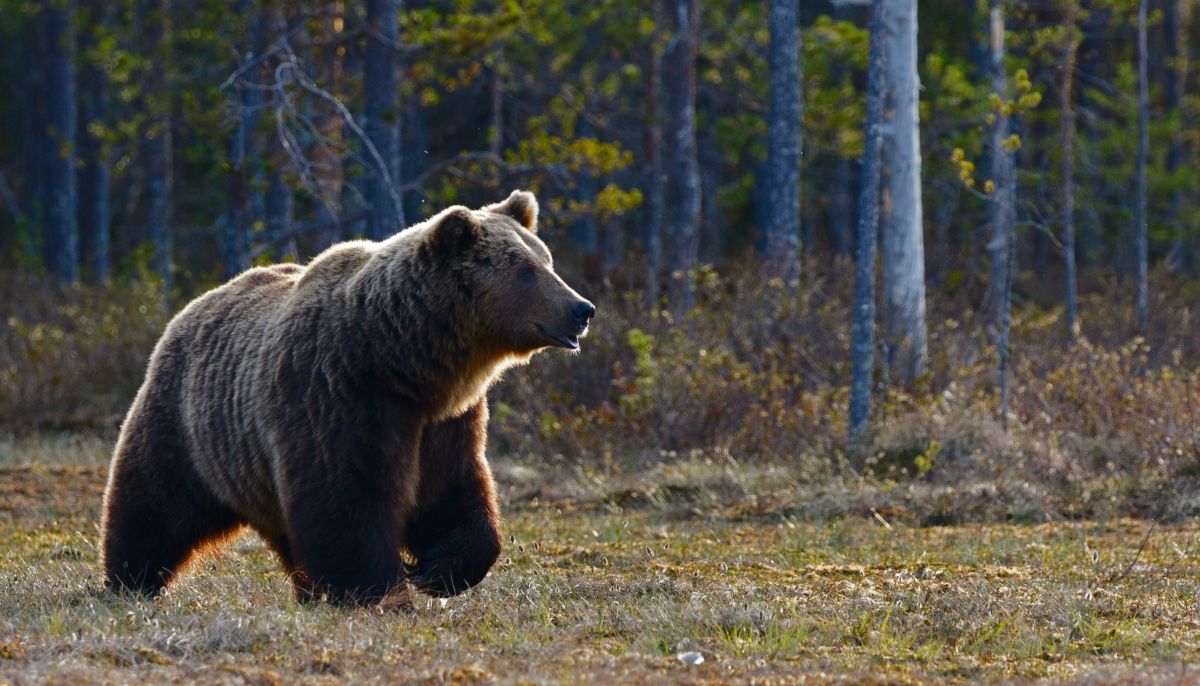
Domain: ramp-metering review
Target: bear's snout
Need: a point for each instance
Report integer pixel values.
(583, 313)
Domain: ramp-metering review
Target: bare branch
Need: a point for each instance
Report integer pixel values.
(302, 79)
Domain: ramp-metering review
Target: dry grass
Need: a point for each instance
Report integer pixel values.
(680, 486)
(607, 577)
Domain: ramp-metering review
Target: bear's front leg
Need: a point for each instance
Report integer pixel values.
(454, 534)
(345, 551)
(345, 510)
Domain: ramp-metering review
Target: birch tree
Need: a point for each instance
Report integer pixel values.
(905, 333)
(1002, 177)
(679, 86)
(1002, 189)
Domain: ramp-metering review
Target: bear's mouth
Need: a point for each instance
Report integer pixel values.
(568, 342)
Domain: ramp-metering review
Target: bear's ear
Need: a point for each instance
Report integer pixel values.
(456, 231)
(520, 205)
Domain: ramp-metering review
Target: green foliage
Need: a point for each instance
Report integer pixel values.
(1023, 100)
(574, 110)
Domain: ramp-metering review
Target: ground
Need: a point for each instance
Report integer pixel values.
(614, 582)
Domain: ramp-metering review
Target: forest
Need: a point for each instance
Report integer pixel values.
(895, 373)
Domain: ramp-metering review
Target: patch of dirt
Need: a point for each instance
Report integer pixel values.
(41, 492)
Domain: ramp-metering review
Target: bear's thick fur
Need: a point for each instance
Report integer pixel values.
(339, 409)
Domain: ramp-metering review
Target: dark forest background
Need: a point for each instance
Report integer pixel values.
(195, 138)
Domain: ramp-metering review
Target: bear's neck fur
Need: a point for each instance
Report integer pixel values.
(412, 326)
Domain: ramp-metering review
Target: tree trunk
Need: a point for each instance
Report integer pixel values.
(679, 71)
(60, 231)
(654, 164)
(1002, 210)
(1142, 240)
(29, 89)
(783, 156)
(712, 216)
(330, 169)
(863, 346)
(414, 158)
(355, 161)
(905, 334)
(1177, 15)
(1002, 245)
(156, 138)
(95, 180)
(280, 210)
(385, 214)
(235, 241)
(1067, 143)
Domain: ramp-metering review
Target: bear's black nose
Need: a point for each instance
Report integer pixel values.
(583, 312)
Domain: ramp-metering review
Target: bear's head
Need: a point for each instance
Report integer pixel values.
(521, 305)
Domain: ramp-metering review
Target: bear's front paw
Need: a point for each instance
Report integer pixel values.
(461, 560)
(441, 576)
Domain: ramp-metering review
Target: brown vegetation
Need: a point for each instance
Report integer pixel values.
(1109, 425)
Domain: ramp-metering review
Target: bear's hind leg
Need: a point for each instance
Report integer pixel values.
(157, 512)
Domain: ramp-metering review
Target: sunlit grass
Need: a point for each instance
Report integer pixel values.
(615, 593)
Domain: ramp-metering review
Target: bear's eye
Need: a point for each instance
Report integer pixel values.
(527, 273)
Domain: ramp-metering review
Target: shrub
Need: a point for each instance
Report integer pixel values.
(75, 356)
(756, 373)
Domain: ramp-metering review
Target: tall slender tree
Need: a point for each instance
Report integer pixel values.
(385, 214)
(235, 241)
(29, 90)
(1142, 241)
(1002, 245)
(1177, 17)
(95, 180)
(1067, 144)
(653, 154)
(157, 148)
(61, 232)
(905, 333)
(679, 72)
(863, 325)
(1002, 176)
(783, 156)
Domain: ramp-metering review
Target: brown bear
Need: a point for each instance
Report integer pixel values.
(339, 409)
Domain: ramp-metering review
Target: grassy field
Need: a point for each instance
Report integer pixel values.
(609, 578)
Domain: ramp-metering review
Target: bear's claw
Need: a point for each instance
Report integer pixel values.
(441, 579)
